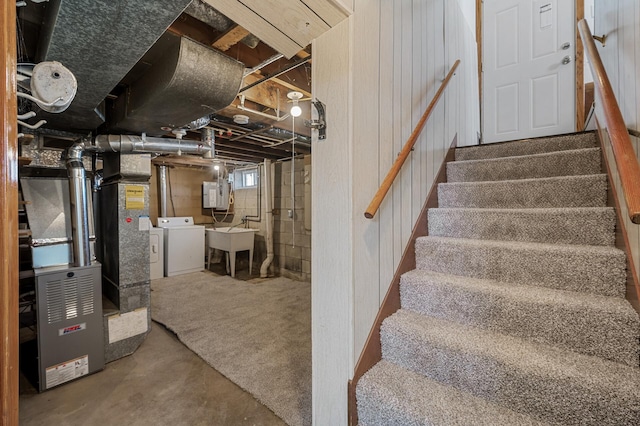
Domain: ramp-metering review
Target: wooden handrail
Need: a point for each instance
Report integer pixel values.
(408, 146)
(624, 155)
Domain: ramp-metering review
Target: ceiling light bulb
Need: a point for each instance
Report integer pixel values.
(296, 111)
(216, 167)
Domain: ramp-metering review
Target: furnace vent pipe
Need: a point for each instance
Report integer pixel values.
(209, 140)
(162, 190)
(131, 144)
(79, 206)
(268, 208)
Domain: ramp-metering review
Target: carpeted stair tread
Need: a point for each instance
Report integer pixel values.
(562, 163)
(577, 225)
(391, 395)
(527, 146)
(565, 191)
(607, 327)
(552, 384)
(591, 269)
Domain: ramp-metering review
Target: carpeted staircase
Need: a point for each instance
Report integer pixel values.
(515, 313)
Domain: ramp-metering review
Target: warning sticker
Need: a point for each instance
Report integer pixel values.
(62, 373)
(134, 197)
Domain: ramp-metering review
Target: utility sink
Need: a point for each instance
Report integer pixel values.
(230, 240)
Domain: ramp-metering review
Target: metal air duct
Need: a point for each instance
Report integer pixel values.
(133, 144)
(162, 190)
(185, 81)
(100, 42)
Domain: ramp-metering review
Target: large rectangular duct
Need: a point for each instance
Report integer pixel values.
(124, 239)
(185, 81)
(100, 41)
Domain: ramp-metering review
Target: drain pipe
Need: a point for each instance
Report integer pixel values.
(162, 190)
(268, 207)
(79, 206)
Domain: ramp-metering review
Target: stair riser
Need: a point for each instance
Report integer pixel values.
(557, 399)
(526, 147)
(582, 191)
(595, 272)
(576, 327)
(588, 227)
(566, 163)
(423, 401)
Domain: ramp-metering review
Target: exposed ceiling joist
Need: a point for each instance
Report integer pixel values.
(231, 37)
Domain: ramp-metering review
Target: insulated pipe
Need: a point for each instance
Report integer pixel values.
(79, 206)
(269, 218)
(209, 140)
(162, 190)
(129, 144)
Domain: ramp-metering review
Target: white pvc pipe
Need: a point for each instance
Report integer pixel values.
(268, 207)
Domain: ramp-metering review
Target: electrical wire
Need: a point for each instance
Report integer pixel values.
(293, 183)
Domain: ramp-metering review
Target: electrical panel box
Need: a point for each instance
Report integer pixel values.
(215, 195)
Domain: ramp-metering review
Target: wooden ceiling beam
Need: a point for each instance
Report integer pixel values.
(230, 38)
(270, 93)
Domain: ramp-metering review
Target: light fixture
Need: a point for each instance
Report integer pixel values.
(295, 109)
(216, 167)
(241, 119)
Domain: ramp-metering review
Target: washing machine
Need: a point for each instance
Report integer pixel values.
(156, 253)
(183, 245)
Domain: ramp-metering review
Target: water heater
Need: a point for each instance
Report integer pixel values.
(215, 195)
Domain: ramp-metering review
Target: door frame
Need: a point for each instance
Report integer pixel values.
(9, 366)
(579, 65)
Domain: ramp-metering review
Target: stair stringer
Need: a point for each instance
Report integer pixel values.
(372, 352)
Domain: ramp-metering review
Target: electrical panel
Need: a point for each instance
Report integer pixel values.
(215, 195)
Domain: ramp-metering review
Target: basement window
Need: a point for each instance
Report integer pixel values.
(247, 178)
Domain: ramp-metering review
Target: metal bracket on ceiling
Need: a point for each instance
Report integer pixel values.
(318, 123)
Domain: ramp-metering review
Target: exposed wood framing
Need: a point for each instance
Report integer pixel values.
(231, 37)
(579, 69)
(269, 93)
(9, 219)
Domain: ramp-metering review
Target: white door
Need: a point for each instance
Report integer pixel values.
(528, 68)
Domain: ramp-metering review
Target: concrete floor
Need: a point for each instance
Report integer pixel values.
(162, 383)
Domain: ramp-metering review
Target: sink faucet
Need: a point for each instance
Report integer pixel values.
(243, 221)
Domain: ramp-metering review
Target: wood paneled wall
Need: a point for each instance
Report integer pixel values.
(377, 73)
(620, 21)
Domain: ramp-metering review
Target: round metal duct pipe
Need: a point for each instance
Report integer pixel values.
(162, 190)
(131, 144)
(79, 206)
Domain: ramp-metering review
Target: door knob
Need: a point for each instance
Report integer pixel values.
(565, 46)
(566, 60)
